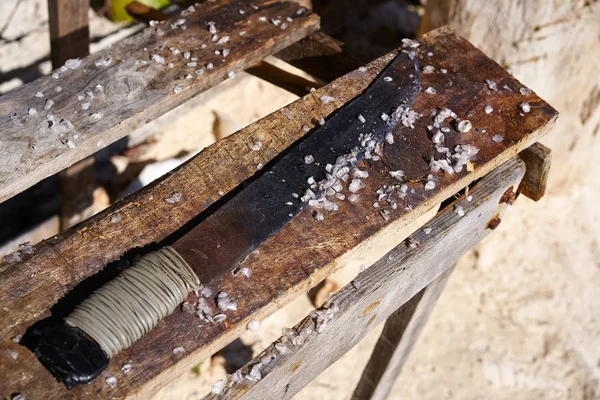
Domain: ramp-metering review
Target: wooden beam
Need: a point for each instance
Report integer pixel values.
(378, 291)
(121, 88)
(69, 30)
(322, 57)
(538, 159)
(292, 83)
(299, 256)
(400, 333)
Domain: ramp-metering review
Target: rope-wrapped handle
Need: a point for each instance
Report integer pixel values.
(115, 316)
(125, 309)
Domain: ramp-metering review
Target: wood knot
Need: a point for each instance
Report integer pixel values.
(125, 86)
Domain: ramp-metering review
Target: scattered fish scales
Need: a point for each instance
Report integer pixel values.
(492, 85)
(525, 107)
(111, 381)
(73, 63)
(224, 303)
(175, 198)
(464, 126)
(525, 91)
(327, 99)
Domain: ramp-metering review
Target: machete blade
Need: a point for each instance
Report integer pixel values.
(226, 237)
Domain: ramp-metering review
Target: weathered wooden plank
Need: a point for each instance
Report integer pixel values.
(378, 291)
(297, 257)
(538, 159)
(69, 30)
(400, 333)
(121, 88)
(263, 70)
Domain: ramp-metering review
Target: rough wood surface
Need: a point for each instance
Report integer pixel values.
(380, 290)
(137, 85)
(263, 70)
(293, 260)
(400, 333)
(538, 159)
(552, 47)
(69, 31)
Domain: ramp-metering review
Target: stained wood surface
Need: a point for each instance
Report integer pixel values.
(400, 333)
(380, 290)
(538, 159)
(289, 263)
(137, 85)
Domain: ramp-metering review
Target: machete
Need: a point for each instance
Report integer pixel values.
(262, 207)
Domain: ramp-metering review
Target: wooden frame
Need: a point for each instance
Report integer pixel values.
(56, 266)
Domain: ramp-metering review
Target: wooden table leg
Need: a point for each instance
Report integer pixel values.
(400, 333)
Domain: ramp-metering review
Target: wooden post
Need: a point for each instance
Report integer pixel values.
(69, 31)
(70, 38)
(400, 333)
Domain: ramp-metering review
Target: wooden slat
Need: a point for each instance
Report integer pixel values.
(322, 57)
(281, 78)
(69, 31)
(400, 333)
(380, 290)
(135, 88)
(297, 257)
(263, 70)
(538, 159)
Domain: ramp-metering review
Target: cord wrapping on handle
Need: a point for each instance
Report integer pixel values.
(125, 309)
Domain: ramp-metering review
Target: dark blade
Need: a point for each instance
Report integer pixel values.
(226, 237)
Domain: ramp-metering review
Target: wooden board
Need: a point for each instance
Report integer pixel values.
(400, 333)
(136, 86)
(289, 263)
(380, 290)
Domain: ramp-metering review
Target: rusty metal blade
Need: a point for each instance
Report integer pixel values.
(264, 206)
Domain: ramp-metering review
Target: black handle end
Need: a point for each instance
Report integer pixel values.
(69, 355)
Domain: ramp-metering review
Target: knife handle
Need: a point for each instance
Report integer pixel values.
(116, 315)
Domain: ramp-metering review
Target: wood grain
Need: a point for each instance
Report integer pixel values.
(381, 289)
(296, 258)
(135, 88)
(538, 159)
(400, 333)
